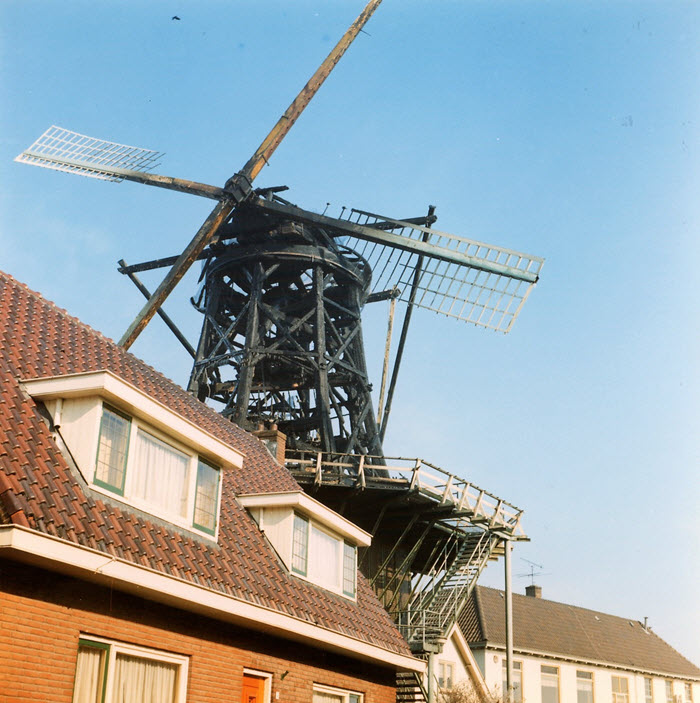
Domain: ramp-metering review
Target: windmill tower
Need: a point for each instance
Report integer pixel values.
(282, 293)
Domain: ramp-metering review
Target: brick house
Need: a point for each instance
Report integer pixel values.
(565, 654)
(210, 577)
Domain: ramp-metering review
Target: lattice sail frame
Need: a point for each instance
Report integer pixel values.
(63, 150)
(482, 298)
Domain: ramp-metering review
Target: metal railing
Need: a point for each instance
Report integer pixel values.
(361, 471)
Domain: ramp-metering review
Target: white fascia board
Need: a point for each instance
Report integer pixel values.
(127, 397)
(592, 662)
(462, 647)
(46, 551)
(312, 508)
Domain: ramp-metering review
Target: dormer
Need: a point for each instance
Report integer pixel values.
(313, 541)
(134, 449)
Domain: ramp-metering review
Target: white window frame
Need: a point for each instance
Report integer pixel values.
(550, 674)
(648, 695)
(115, 648)
(620, 696)
(668, 689)
(443, 666)
(338, 586)
(126, 492)
(517, 673)
(267, 676)
(587, 676)
(343, 693)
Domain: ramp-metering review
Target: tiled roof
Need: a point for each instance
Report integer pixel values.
(562, 630)
(39, 490)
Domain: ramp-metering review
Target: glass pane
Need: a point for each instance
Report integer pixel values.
(620, 689)
(112, 450)
(160, 475)
(300, 544)
(206, 497)
(138, 680)
(584, 687)
(517, 680)
(648, 693)
(550, 684)
(349, 569)
(89, 674)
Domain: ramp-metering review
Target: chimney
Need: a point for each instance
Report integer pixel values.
(533, 591)
(274, 440)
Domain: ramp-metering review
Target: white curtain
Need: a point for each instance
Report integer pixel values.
(160, 474)
(324, 559)
(325, 697)
(139, 680)
(88, 675)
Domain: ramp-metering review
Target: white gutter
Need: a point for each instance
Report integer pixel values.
(88, 564)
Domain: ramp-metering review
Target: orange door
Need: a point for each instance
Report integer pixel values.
(253, 689)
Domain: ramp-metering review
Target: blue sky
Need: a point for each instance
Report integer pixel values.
(565, 129)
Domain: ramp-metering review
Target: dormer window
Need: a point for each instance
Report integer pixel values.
(323, 558)
(314, 542)
(129, 445)
(153, 474)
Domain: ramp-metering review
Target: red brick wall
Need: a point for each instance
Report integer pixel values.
(42, 615)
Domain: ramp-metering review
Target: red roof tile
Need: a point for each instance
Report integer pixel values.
(38, 488)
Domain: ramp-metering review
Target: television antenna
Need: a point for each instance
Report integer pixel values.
(283, 288)
(532, 573)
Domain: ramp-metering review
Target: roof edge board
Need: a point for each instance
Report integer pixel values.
(98, 567)
(108, 385)
(310, 506)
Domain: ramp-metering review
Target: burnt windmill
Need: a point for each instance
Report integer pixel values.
(282, 292)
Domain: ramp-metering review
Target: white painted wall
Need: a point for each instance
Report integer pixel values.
(491, 663)
(80, 424)
(277, 524)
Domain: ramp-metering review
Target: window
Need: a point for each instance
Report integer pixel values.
(584, 687)
(446, 674)
(517, 681)
(154, 475)
(669, 691)
(300, 545)
(121, 673)
(648, 690)
(326, 694)
(689, 693)
(323, 558)
(350, 570)
(620, 690)
(550, 684)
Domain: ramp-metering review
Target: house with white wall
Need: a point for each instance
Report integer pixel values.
(564, 654)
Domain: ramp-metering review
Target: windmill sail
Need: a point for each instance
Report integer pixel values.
(490, 296)
(63, 150)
